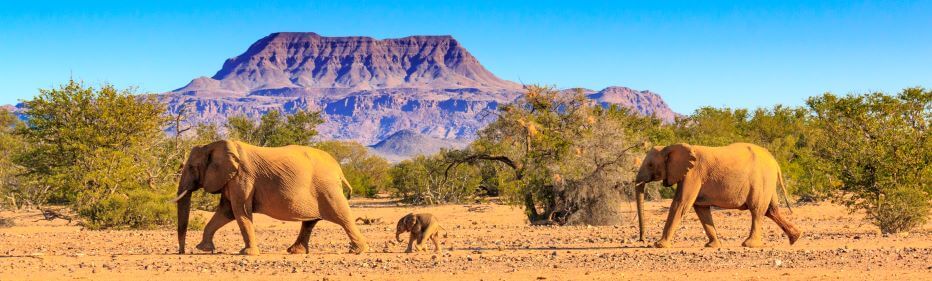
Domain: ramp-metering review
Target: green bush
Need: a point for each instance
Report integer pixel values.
(138, 209)
(878, 147)
(104, 152)
(424, 180)
(366, 172)
(901, 210)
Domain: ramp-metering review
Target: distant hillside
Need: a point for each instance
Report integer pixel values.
(406, 144)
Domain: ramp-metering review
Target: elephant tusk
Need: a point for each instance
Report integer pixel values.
(179, 196)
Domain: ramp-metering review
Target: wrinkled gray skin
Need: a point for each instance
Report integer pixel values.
(738, 176)
(421, 226)
(292, 183)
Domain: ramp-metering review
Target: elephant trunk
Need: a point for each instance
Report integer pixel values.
(184, 210)
(399, 229)
(639, 193)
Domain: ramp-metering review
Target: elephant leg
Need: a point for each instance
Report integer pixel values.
(428, 233)
(411, 239)
(436, 243)
(705, 216)
(683, 199)
(754, 239)
(244, 219)
(222, 216)
(773, 212)
(338, 212)
(359, 243)
(300, 245)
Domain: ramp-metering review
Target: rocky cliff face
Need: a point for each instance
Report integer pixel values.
(369, 90)
(644, 102)
(364, 116)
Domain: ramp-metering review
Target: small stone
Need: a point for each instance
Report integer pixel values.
(777, 263)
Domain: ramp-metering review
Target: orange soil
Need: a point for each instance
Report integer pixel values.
(488, 242)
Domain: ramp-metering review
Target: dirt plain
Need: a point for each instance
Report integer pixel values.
(485, 242)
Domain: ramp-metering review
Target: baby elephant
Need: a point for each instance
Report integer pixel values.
(422, 226)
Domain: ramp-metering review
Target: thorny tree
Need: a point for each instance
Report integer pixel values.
(569, 157)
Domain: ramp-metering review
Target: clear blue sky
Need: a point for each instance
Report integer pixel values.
(694, 53)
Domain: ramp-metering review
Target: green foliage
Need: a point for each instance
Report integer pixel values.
(425, 180)
(10, 146)
(103, 152)
(73, 126)
(367, 173)
(275, 130)
(133, 209)
(713, 126)
(562, 157)
(901, 209)
(879, 148)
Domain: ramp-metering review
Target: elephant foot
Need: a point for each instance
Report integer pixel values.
(249, 251)
(298, 249)
(408, 251)
(662, 244)
(713, 244)
(359, 248)
(752, 243)
(206, 246)
(794, 237)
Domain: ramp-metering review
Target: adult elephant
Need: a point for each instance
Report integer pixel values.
(738, 176)
(292, 183)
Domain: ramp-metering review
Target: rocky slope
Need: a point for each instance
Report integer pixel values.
(405, 144)
(370, 89)
(644, 102)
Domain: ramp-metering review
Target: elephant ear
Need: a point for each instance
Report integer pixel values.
(222, 165)
(679, 158)
(411, 222)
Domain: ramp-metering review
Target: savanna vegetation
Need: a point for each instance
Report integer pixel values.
(566, 160)
(113, 156)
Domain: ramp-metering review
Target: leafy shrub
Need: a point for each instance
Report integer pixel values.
(102, 151)
(368, 174)
(900, 210)
(562, 157)
(426, 180)
(275, 129)
(879, 149)
(138, 209)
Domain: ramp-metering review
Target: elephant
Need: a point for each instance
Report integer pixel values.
(738, 176)
(422, 226)
(291, 183)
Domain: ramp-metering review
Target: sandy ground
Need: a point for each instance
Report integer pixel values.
(485, 242)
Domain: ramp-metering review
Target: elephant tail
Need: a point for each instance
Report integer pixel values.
(349, 188)
(786, 198)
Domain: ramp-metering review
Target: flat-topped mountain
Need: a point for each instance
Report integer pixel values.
(297, 61)
(429, 87)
